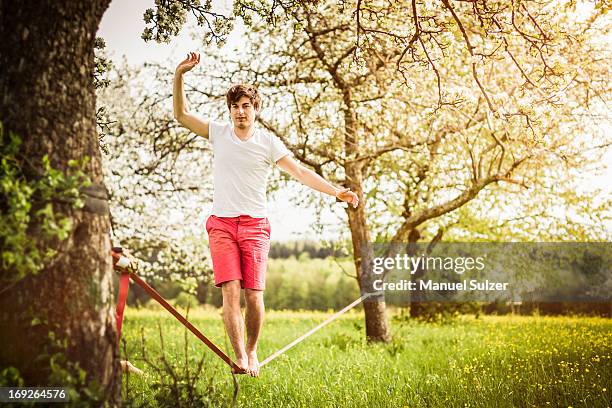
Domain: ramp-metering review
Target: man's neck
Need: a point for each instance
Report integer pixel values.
(244, 133)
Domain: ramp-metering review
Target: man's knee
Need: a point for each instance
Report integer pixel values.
(253, 298)
(231, 293)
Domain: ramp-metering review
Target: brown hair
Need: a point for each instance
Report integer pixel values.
(238, 91)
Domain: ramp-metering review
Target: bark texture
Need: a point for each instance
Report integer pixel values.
(47, 98)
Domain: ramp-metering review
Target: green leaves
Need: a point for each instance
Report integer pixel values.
(30, 228)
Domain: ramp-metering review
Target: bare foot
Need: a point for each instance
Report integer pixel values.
(253, 364)
(243, 365)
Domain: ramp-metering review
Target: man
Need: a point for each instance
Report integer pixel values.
(238, 230)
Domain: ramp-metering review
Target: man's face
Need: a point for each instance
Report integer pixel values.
(243, 113)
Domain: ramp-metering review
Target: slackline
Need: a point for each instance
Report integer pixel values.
(123, 291)
(314, 330)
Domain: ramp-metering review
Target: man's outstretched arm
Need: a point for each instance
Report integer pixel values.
(192, 122)
(313, 180)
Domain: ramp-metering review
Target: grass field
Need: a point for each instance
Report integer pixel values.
(485, 362)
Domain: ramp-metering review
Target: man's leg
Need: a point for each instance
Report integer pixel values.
(254, 241)
(254, 320)
(233, 321)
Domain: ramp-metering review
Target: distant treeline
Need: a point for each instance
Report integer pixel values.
(297, 249)
(323, 284)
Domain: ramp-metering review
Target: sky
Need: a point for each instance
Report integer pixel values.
(122, 26)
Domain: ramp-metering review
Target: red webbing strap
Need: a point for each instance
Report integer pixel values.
(153, 293)
(124, 287)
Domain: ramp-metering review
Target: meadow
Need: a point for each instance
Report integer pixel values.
(489, 361)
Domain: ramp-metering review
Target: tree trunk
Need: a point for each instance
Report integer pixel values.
(48, 99)
(418, 308)
(202, 291)
(377, 325)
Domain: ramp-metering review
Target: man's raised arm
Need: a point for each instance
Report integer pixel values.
(192, 122)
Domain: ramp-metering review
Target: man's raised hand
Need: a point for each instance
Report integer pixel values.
(188, 63)
(348, 196)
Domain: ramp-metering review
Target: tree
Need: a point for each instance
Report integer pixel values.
(420, 108)
(46, 78)
(63, 313)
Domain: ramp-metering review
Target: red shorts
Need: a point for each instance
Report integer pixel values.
(239, 249)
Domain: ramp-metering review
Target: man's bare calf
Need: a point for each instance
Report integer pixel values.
(234, 323)
(254, 320)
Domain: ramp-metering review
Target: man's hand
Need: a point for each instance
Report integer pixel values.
(196, 124)
(348, 196)
(188, 63)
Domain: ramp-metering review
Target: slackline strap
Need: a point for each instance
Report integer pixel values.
(124, 287)
(153, 293)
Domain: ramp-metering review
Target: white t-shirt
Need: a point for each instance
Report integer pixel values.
(241, 170)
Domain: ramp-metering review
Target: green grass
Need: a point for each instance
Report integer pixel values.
(485, 362)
